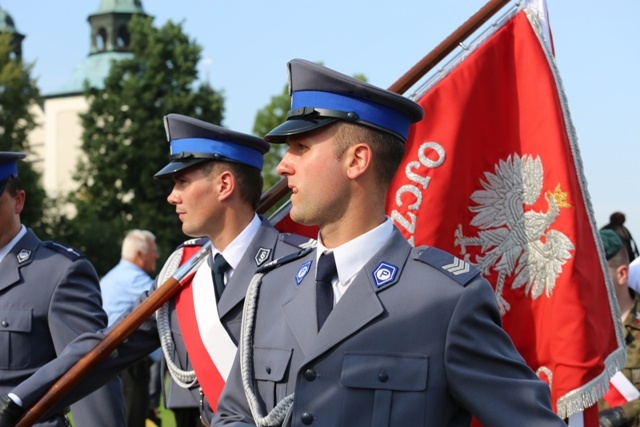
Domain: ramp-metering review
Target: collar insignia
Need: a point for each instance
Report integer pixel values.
(304, 270)
(23, 256)
(262, 256)
(384, 273)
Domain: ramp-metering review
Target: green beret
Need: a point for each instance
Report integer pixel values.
(611, 243)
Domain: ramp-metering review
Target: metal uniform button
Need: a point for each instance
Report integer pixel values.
(5, 324)
(310, 375)
(306, 418)
(383, 377)
(268, 370)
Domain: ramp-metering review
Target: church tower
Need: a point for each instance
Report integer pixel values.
(110, 42)
(59, 140)
(7, 25)
(109, 26)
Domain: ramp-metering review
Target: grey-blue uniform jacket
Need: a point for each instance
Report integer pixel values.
(268, 242)
(408, 344)
(265, 247)
(49, 295)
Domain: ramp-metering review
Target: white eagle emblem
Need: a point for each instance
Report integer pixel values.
(512, 241)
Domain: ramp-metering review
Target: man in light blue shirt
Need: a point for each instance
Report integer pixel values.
(132, 276)
(120, 287)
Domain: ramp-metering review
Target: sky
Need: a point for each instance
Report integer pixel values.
(246, 45)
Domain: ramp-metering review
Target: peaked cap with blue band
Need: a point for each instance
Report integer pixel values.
(8, 166)
(321, 96)
(194, 141)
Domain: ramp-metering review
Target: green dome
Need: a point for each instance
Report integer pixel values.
(94, 70)
(120, 6)
(6, 23)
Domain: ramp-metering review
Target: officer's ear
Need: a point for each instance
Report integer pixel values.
(358, 158)
(225, 184)
(19, 200)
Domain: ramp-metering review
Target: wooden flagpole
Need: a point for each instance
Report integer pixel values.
(130, 323)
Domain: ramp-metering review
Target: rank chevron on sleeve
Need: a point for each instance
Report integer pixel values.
(457, 267)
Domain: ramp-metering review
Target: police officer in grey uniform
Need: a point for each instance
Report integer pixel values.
(217, 187)
(365, 330)
(49, 295)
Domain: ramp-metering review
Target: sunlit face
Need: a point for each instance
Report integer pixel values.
(196, 200)
(10, 208)
(316, 177)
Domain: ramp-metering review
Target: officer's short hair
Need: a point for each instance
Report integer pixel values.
(13, 185)
(388, 150)
(249, 179)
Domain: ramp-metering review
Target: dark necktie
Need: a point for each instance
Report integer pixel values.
(325, 273)
(220, 266)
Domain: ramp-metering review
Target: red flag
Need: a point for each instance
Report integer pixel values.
(493, 175)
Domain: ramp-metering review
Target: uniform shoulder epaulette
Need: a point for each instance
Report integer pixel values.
(284, 260)
(297, 240)
(71, 253)
(457, 269)
(198, 241)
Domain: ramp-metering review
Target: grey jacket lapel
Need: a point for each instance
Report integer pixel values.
(20, 255)
(300, 310)
(357, 307)
(265, 238)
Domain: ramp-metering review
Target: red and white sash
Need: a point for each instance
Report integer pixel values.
(210, 348)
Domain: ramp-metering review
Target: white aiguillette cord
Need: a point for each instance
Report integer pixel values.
(184, 379)
(281, 411)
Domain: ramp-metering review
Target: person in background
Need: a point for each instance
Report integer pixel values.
(612, 412)
(132, 275)
(364, 329)
(616, 223)
(49, 295)
(120, 287)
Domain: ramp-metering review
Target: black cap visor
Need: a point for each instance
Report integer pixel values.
(295, 126)
(176, 166)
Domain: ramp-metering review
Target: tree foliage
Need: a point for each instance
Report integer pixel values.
(268, 118)
(124, 142)
(18, 95)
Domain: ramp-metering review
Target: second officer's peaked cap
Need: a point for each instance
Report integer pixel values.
(194, 141)
(8, 166)
(321, 96)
